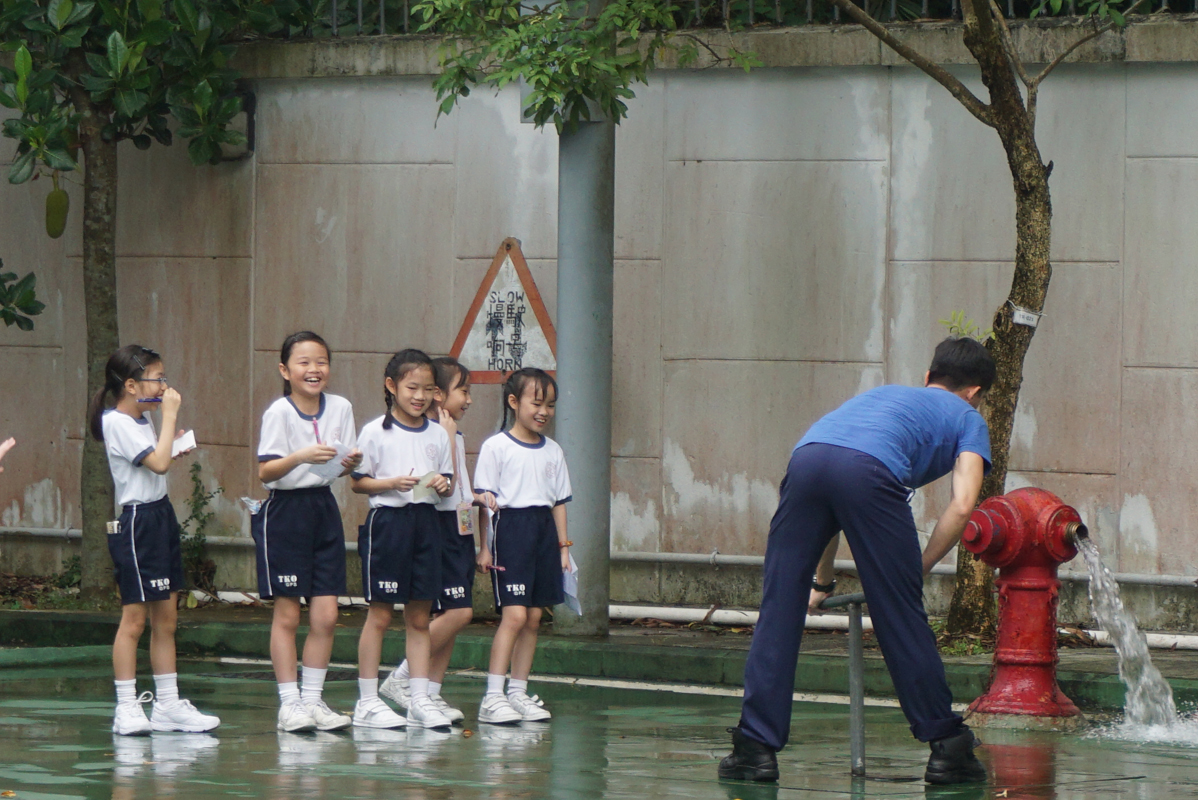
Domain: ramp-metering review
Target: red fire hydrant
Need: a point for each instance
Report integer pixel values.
(1026, 534)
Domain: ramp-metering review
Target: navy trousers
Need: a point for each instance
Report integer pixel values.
(827, 489)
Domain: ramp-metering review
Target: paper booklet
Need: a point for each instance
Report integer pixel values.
(184, 443)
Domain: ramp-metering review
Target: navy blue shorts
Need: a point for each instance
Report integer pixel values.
(457, 565)
(526, 547)
(300, 544)
(147, 561)
(401, 554)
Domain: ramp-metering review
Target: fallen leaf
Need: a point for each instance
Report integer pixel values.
(8, 793)
(467, 733)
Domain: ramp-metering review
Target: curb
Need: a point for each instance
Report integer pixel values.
(61, 637)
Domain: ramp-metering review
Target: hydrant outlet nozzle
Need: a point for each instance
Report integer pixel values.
(1075, 531)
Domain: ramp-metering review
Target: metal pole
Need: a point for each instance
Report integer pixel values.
(585, 237)
(856, 677)
(856, 691)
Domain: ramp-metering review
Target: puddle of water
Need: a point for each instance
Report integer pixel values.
(602, 743)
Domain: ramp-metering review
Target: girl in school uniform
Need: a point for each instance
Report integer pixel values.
(521, 477)
(407, 466)
(144, 542)
(454, 606)
(297, 531)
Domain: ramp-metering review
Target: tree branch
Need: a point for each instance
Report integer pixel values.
(1056, 62)
(936, 72)
(1009, 44)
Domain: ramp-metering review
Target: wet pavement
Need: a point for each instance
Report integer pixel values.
(55, 743)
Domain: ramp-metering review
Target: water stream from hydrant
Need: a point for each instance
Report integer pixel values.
(1149, 712)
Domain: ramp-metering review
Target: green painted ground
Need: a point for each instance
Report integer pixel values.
(55, 744)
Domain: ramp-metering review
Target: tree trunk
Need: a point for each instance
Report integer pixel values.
(973, 609)
(99, 296)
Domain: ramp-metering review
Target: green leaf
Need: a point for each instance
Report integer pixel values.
(202, 97)
(59, 159)
(22, 168)
(118, 53)
(187, 15)
(151, 10)
(129, 102)
(23, 62)
(82, 10)
(202, 151)
(24, 323)
(58, 12)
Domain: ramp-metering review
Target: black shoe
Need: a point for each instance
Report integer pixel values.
(952, 760)
(750, 760)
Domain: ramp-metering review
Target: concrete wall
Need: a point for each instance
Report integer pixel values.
(784, 240)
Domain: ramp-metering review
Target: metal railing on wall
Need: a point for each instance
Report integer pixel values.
(337, 18)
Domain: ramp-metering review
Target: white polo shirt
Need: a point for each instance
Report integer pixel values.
(523, 475)
(128, 441)
(399, 450)
(286, 429)
(462, 493)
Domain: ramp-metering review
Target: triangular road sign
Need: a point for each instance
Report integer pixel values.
(507, 327)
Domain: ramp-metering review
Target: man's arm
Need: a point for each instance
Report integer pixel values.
(967, 484)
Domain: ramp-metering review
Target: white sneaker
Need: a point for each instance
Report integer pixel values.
(496, 710)
(294, 717)
(130, 718)
(423, 712)
(374, 713)
(398, 688)
(454, 714)
(326, 718)
(181, 715)
(531, 709)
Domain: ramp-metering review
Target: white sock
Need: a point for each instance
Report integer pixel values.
(515, 685)
(495, 684)
(166, 687)
(313, 683)
(434, 689)
(289, 693)
(419, 688)
(368, 688)
(403, 670)
(126, 691)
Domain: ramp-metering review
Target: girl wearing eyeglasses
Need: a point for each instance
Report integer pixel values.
(144, 542)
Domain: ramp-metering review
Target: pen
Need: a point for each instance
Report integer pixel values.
(316, 428)
(149, 399)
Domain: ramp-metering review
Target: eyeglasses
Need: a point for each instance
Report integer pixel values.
(161, 380)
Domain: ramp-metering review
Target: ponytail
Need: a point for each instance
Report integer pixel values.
(131, 361)
(517, 382)
(400, 365)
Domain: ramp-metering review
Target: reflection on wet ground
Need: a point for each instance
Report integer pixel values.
(55, 744)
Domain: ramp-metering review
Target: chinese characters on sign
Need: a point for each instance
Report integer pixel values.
(507, 327)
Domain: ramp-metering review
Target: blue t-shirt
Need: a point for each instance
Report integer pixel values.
(916, 433)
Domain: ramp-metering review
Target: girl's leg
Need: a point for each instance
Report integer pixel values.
(322, 621)
(284, 625)
(370, 642)
(526, 645)
(164, 617)
(124, 647)
(442, 632)
(512, 621)
(417, 642)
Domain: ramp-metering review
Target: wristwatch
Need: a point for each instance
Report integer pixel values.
(826, 588)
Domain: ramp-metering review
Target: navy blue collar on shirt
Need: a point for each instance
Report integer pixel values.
(304, 416)
(401, 426)
(536, 446)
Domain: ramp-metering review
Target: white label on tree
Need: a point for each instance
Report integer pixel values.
(1024, 317)
(506, 334)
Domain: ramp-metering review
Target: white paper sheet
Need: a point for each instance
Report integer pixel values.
(331, 468)
(422, 490)
(570, 581)
(184, 443)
